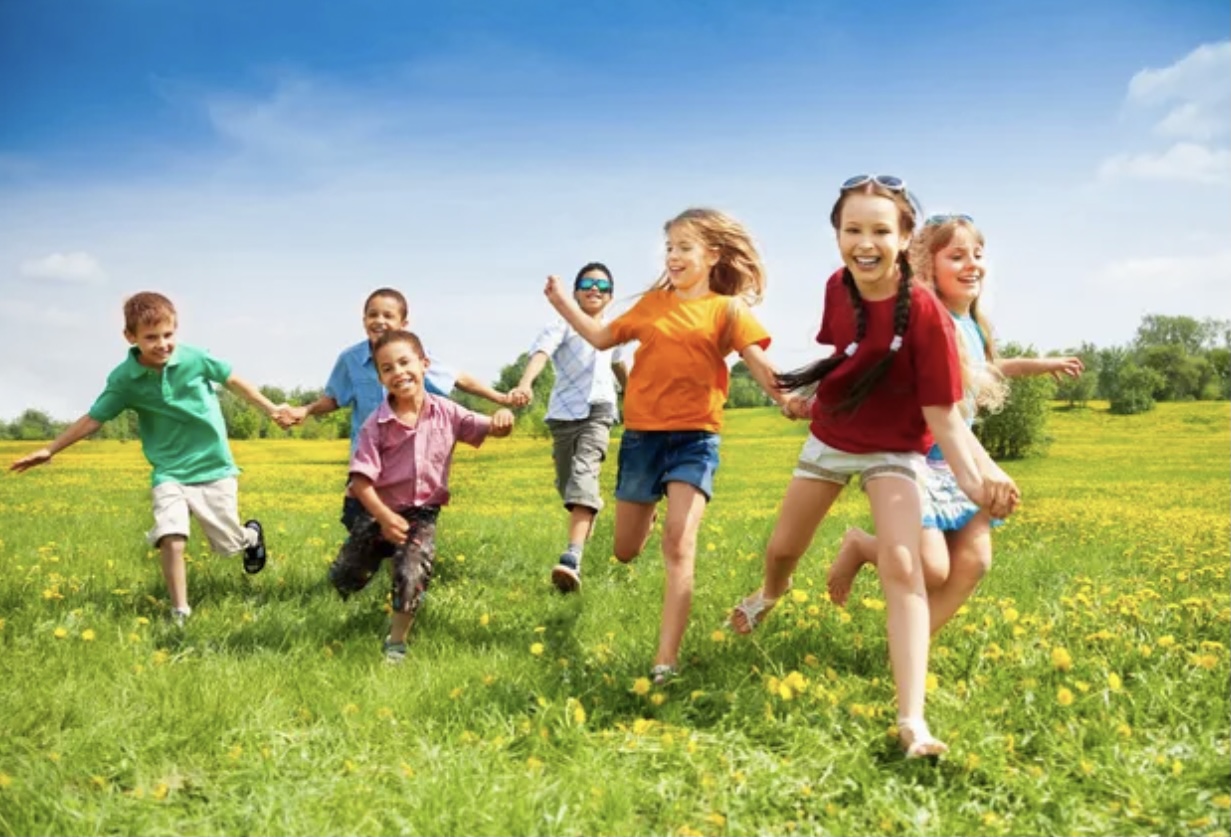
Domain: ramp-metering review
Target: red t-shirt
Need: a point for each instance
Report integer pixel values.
(926, 372)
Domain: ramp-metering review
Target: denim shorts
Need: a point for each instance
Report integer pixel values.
(649, 459)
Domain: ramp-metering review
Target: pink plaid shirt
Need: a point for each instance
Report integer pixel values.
(409, 466)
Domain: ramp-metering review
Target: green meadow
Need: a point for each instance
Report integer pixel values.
(1084, 689)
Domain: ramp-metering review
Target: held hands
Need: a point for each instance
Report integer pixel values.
(1001, 493)
(39, 457)
(502, 423)
(797, 407)
(520, 396)
(287, 416)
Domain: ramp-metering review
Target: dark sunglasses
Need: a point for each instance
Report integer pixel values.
(603, 286)
(944, 219)
(893, 184)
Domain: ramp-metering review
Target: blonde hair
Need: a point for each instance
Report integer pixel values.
(146, 308)
(988, 386)
(739, 271)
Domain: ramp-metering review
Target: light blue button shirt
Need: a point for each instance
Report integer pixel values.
(355, 384)
(583, 373)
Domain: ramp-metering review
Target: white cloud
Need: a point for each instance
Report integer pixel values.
(74, 268)
(1198, 87)
(1168, 274)
(1185, 161)
(1195, 93)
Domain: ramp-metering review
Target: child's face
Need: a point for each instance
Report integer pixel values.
(154, 341)
(959, 271)
(592, 300)
(689, 259)
(383, 314)
(401, 370)
(870, 239)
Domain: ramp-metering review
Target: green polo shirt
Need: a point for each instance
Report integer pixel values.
(182, 432)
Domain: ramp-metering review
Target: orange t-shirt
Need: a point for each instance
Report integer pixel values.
(679, 378)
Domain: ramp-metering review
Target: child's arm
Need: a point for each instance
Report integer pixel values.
(239, 386)
(1025, 367)
(469, 383)
(596, 334)
(502, 424)
(288, 417)
(525, 387)
(792, 406)
(74, 433)
(990, 489)
(393, 527)
(620, 368)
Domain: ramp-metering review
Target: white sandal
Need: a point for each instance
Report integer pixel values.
(917, 740)
(754, 609)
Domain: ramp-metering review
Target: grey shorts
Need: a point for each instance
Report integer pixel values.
(578, 450)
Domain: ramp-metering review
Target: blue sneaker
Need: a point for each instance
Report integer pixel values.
(395, 652)
(566, 575)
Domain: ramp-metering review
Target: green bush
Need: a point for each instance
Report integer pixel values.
(1134, 390)
(1019, 430)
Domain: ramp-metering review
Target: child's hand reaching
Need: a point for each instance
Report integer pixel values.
(502, 423)
(39, 457)
(1062, 366)
(556, 294)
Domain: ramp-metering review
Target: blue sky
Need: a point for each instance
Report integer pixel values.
(268, 164)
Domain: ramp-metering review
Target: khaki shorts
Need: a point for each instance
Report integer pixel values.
(819, 461)
(215, 505)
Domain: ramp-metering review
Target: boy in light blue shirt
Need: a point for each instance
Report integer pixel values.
(183, 436)
(355, 383)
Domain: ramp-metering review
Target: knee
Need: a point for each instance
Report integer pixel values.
(678, 544)
(625, 552)
(972, 563)
(895, 564)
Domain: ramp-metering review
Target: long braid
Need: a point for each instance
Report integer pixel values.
(867, 382)
(815, 372)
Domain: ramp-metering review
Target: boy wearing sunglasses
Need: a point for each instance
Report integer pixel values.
(580, 413)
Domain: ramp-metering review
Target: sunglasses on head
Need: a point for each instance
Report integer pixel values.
(944, 219)
(603, 286)
(893, 184)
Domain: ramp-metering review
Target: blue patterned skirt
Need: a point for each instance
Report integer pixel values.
(945, 506)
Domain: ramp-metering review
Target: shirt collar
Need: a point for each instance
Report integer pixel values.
(384, 413)
(136, 369)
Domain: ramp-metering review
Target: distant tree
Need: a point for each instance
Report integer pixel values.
(1135, 388)
(1110, 362)
(1077, 391)
(1181, 374)
(1189, 334)
(1220, 365)
(1019, 429)
(35, 425)
(745, 391)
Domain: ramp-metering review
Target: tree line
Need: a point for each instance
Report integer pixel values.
(1169, 359)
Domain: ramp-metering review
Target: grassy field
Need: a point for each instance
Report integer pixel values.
(1083, 691)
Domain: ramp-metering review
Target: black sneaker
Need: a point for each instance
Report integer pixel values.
(254, 556)
(566, 575)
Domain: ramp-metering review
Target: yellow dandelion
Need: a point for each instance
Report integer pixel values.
(407, 771)
(1010, 615)
(658, 698)
(1124, 730)
(87, 635)
(579, 714)
(350, 709)
(1061, 659)
(160, 791)
(533, 763)
(844, 617)
(485, 619)
(1176, 767)
(60, 633)
(799, 596)
(718, 636)
(641, 686)
(54, 757)
(536, 649)
(932, 683)
(1221, 801)
(456, 693)
(1064, 696)
(1166, 641)
(1113, 682)
(716, 819)
(5, 781)
(872, 604)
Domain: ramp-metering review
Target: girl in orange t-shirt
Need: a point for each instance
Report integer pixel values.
(687, 323)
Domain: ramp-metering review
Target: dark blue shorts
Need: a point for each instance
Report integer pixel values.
(649, 459)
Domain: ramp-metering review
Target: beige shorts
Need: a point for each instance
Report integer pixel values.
(215, 505)
(819, 461)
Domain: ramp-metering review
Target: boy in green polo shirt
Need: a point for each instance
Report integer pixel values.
(171, 389)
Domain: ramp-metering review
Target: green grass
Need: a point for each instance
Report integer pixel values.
(272, 711)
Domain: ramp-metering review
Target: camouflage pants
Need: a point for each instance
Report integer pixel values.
(410, 563)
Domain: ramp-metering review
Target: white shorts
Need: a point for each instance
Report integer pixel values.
(819, 461)
(215, 505)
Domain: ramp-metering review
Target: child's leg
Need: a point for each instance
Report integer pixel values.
(411, 568)
(685, 508)
(971, 551)
(359, 557)
(633, 522)
(174, 573)
(805, 505)
(896, 511)
(859, 548)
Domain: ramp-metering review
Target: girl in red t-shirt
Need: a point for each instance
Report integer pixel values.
(686, 324)
(893, 377)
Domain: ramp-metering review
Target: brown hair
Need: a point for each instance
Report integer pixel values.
(388, 293)
(739, 271)
(146, 308)
(990, 389)
(399, 336)
(814, 373)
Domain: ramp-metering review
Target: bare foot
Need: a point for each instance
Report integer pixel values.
(846, 566)
(917, 740)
